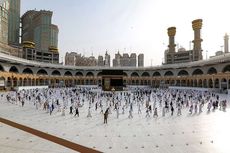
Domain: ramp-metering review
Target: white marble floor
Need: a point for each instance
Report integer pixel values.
(199, 133)
(13, 140)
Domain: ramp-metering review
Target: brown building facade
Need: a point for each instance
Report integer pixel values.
(38, 29)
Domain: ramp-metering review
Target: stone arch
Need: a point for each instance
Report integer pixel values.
(134, 74)
(20, 81)
(27, 71)
(172, 82)
(145, 82)
(68, 73)
(91, 82)
(3, 80)
(199, 83)
(15, 80)
(149, 82)
(56, 72)
(191, 83)
(157, 83)
(125, 74)
(178, 82)
(197, 72)
(1, 68)
(183, 82)
(168, 73)
(210, 83)
(212, 70)
(13, 69)
(195, 83)
(145, 74)
(224, 83)
(188, 83)
(99, 74)
(42, 72)
(156, 74)
(205, 83)
(133, 82)
(79, 74)
(90, 74)
(33, 82)
(216, 83)
(226, 68)
(9, 82)
(182, 73)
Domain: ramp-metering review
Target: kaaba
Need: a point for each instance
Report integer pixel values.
(112, 79)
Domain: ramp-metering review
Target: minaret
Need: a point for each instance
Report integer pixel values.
(226, 37)
(171, 34)
(171, 46)
(197, 50)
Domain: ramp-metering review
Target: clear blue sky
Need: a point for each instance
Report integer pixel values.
(137, 26)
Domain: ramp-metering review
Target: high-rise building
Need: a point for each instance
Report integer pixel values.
(4, 11)
(104, 61)
(100, 61)
(14, 22)
(117, 60)
(38, 29)
(107, 59)
(76, 59)
(6, 31)
(141, 60)
(125, 60)
(133, 60)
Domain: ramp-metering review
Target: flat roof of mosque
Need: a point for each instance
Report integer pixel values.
(212, 61)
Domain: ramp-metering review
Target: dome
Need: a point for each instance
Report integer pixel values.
(182, 49)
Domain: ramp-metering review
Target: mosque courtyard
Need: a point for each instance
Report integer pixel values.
(196, 133)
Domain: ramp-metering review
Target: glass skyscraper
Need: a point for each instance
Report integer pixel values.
(38, 29)
(14, 22)
(4, 8)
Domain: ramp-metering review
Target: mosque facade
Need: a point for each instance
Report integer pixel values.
(211, 73)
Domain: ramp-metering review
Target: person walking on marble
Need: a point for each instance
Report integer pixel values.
(155, 114)
(179, 110)
(89, 113)
(172, 110)
(117, 110)
(71, 109)
(209, 106)
(139, 108)
(106, 115)
(163, 111)
(76, 111)
(147, 113)
(130, 114)
(200, 108)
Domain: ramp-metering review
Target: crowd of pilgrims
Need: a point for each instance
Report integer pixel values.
(149, 102)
